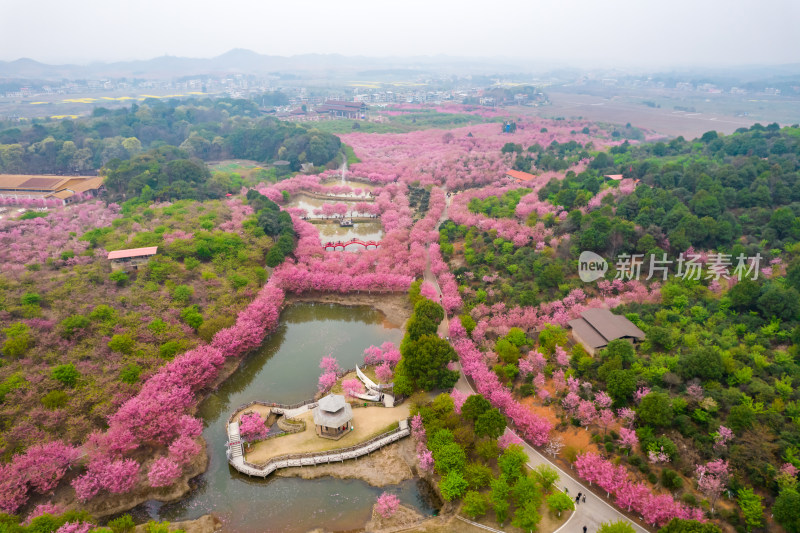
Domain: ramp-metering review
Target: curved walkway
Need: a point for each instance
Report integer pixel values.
(312, 459)
(590, 514)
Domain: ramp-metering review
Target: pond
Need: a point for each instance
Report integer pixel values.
(285, 369)
(366, 231)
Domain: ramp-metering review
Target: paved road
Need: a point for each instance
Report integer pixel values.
(590, 514)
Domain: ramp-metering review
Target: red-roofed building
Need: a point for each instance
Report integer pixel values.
(518, 175)
(131, 257)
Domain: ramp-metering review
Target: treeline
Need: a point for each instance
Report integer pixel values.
(275, 223)
(207, 129)
(711, 191)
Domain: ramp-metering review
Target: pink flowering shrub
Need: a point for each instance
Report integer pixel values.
(458, 399)
(75, 527)
(326, 381)
(43, 508)
(352, 387)
(117, 477)
(387, 504)
(252, 427)
(164, 472)
(384, 372)
(184, 449)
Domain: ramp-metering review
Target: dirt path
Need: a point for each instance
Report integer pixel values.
(367, 423)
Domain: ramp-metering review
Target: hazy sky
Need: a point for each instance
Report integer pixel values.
(577, 32)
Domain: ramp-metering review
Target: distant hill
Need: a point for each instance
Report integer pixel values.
(241, 61)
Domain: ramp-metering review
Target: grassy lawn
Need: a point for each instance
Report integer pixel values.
(367, 423)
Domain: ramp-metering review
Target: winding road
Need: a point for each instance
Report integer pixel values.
(590, 514)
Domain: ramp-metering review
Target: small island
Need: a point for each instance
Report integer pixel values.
(263, 437)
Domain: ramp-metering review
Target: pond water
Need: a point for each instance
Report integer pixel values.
(349, 183)
(309, 204)
(285, 369)
(366, 231)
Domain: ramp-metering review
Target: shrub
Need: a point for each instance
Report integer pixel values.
(55, 399)
(66, 374)
(453, 485)
(123, 343)
(190, 263)
(130, 374)
(671, 480)
(18, 339)
(72, 324)
(123, 524)
(119, 277)
(103, 313)
(182, 293)
(210, 327)
(191, 315)
(169, 349)
(31, 298)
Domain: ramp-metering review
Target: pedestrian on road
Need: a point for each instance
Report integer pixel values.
(584, 529)
(583, 500)
(566, 490)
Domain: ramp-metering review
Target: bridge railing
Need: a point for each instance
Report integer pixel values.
(339, 451)
(268, 404)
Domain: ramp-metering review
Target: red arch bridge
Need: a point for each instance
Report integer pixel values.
(340, 246)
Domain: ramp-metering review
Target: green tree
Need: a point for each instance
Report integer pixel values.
(119, 277)
(704, 363)
(31, 298)
(453, 485)
(499, 496)
(475, 504)
(787, 510)
(478, 475)
(474, 406)
(191, 315)
(527, 517)
(656, 409)
(450, 457)
(182, 293)
(123, 524)
(752, 509)
(424, 364)
(18, 340)
(130, 374)
(621, 384)
(512, 463)
(430, 310)
(122, 343)
(490, 424)
(546, 476)
(559, 502)
(71, 325)
(777, 301)
(68, 375)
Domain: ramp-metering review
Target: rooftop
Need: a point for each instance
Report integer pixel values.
(332, 411)
(598, 327)
(133, 252)
(519, 175)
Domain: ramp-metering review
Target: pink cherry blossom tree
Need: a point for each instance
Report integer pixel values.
(387, 504)
(163, 472)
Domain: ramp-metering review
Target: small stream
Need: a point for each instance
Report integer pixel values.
(285, 369)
